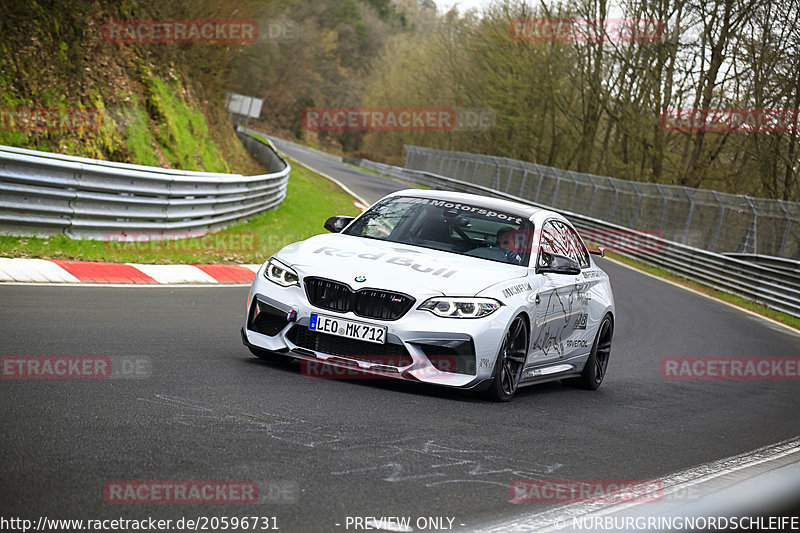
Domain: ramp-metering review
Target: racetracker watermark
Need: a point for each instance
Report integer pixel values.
(397, 119)
(580, 30)
(55, 367)
(180, 492)
(731, 120)
(641, 241)
(730, 368)
(384, 367)
(279, 30)
(74, 367)
(561, 240)
(50, 119)
(584, 490)
(181, 31)
(191, 241)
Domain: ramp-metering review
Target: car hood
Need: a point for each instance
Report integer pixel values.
(393, 266)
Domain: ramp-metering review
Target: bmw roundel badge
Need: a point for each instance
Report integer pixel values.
(361, 279)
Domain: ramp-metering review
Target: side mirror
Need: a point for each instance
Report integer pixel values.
(337, 223)
(558, 264)
(600, 251)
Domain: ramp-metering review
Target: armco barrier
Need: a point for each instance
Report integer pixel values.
(47, 193)
(773, 286)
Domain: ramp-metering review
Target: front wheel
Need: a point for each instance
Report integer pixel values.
(510, 360)
(595, 369)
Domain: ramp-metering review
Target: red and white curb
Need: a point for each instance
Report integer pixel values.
(57, 271)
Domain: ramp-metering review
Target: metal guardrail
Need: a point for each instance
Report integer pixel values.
(778, 263)
(778, 288)
(320, 153)
(711, 220)
(45, 193)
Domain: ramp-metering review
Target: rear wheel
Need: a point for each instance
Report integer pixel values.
(510, 360)
(595, 369)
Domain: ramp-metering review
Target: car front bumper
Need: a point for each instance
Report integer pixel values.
(419, 346)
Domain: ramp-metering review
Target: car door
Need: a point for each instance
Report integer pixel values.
(580, 300)
(558, 309)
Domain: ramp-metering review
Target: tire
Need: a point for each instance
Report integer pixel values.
(510, 360)
(594, 371)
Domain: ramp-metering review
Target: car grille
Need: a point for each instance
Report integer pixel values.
(367, 303)
(385, 354)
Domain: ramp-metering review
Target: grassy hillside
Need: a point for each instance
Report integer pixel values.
(159, 103)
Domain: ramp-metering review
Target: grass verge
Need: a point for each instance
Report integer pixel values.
(759, 309)
(310, 200)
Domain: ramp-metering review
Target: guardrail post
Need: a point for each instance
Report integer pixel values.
(594, 194)
(574, 190)
(522, 181)
(496, 178)
(538, 187)
(789, 221)
(719, 221)
(638, 204)
(663, 206)
(614, 201)
(753, 228)
(555, 191)
(689, 216)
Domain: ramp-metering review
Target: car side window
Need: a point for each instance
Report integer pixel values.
(559, 238)
(575, 248)
(549, 243)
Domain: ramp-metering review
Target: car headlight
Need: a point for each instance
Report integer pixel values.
(281, 274)
(460, 307)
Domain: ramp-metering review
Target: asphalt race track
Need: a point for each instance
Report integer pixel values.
(324, 450)
(369, 187)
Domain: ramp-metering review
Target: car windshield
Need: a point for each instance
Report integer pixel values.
(455, 227)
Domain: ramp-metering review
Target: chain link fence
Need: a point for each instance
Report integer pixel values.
(714, 221)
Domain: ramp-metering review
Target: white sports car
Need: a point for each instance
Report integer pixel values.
(439, 287)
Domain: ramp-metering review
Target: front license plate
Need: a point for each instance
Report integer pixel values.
(347, 328)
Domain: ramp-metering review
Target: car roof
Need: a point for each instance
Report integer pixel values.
(506, 206)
